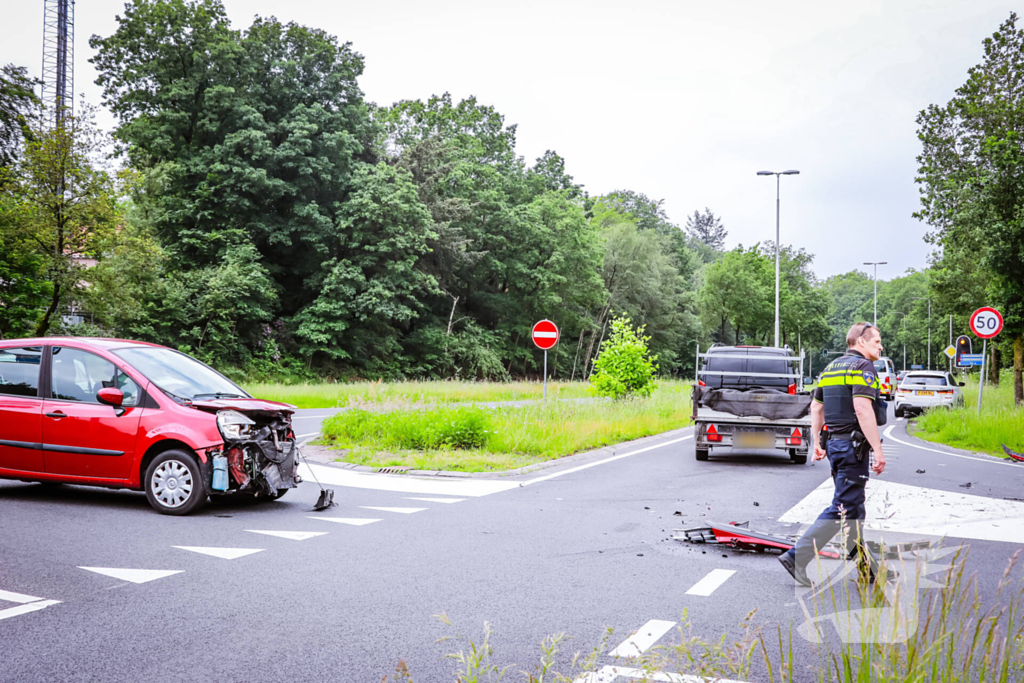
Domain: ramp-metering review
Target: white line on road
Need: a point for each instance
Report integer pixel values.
(609, 674)
(647, 635)
(439, 500)
(601, 462)
(303, 436)
(28, 607)
(710, 583)
(290, 535)
(222, 553)
(134, 575)
(888, 435)
(16, 597)
(401, 511)
(405, 483)
(351, 521)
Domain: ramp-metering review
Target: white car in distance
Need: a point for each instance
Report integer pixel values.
(923, 389)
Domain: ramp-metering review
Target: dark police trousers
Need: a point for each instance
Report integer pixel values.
(849, 477)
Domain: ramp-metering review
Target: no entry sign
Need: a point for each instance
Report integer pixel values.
(545, 334)
(986, 322)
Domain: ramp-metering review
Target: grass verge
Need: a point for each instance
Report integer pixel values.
(998, 423)
(398, 394)
(476, 439)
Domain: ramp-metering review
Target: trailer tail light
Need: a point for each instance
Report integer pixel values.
(712, 434)
(792, 389)
(795, 439)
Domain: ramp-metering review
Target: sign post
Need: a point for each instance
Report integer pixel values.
(545, 336)
(986, 323)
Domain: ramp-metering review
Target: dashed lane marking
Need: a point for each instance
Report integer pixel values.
(134, 575)
(439, 500)
(7, 596)
(639, 642)
(401, 511)
(290, 535)
(222, 553)
(353, 521)
(710, 583)
(26, 608)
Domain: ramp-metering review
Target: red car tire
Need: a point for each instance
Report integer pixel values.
(174, 484)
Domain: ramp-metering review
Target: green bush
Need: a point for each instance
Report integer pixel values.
(460, 427)
(624, 367)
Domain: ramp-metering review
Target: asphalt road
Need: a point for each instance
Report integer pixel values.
(573, 549)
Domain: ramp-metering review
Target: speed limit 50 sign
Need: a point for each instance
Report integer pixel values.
(986, 322)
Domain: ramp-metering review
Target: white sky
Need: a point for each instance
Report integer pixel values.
(679, 100)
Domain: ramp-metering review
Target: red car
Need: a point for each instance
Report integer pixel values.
(124, 414)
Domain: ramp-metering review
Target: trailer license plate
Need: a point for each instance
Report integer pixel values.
(755, 440)
(926, 393)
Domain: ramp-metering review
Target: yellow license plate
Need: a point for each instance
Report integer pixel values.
(926, 393)
(755, 440)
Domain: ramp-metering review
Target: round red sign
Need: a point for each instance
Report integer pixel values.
(986, 322)
(545, 334)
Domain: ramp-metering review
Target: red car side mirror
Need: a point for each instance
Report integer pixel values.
(110, 396)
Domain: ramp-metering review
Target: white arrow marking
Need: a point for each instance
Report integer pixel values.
(16, 597)
(290, 535)
(439, 500)
(134, 575)
(24, 609)
(647, 635)
(401, 511)
(347, 520)
(222, 553)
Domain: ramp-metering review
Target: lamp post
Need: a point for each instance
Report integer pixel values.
(777, 184)
(903, 337)
(929, 300)
(876, 264)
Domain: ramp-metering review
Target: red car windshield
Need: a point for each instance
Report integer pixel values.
(179, 375)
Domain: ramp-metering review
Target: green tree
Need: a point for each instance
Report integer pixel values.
(970, 177)
(624, 367)
(706, 228)
(18, 105)
(738, 291)
(24, 289)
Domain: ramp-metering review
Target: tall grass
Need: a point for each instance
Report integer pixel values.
(475, 439)
(999, 422)
(397, 394)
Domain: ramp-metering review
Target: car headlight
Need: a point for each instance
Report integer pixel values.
(234, 425)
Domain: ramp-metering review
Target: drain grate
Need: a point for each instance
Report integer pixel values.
(395, 469)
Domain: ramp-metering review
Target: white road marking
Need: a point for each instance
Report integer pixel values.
(17, 597)
(303, 436)
(134, 575)
(888, 435)
(404, 483)
(919, 510)
(601, 462)
(639, 642)
(710, 583)
(900, 419)
(608, 674)
(27, 607)
(222, 553)
(401, 511)
(439, 500)
(290, 535)
(353, 521)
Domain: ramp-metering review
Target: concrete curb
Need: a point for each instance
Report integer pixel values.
(574, 459)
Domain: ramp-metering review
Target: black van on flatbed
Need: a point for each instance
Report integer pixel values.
(751, 398)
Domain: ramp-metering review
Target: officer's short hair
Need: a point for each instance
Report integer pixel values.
(857, 330)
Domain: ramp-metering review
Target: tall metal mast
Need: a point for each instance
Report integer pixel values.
(58, 94)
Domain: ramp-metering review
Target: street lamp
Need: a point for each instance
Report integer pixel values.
(928, 299)
(777, 182)
(876, 264)
(903, 337)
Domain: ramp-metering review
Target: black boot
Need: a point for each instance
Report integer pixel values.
(804, 551)
(799, 574)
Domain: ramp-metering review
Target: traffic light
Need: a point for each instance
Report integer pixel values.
(963, 345)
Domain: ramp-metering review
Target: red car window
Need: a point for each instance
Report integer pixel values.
(19, 371)
(78, 375)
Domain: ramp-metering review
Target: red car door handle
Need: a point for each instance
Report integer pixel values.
(56, 415)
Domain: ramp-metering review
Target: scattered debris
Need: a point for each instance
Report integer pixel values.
(1014, 455)
(646, 508)
(677, 513)
(639, 554)
(920, 471)
(1017, 499)
(756, 504)
(965, 486)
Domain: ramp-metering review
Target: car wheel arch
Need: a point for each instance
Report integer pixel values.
(159, 447)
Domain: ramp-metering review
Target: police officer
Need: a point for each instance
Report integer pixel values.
(847, 402)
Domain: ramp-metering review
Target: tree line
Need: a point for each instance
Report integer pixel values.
(254, 209)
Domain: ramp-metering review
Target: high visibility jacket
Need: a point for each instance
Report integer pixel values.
(842, 379)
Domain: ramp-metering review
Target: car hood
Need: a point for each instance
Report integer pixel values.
(248, 406)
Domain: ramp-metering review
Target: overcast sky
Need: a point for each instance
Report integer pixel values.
(680, 100)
